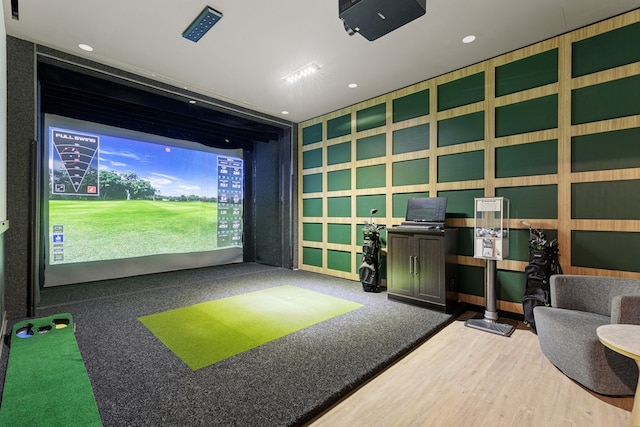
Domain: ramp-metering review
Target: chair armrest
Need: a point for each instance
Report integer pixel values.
(625, 309)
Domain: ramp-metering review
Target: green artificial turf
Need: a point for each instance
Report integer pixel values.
(206, 333)
(46, 382)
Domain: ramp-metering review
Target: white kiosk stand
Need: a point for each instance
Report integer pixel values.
(491, 242)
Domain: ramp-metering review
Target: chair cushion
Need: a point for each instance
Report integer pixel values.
(569, 340)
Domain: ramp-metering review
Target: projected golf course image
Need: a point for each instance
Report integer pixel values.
(136, 195)
(96, 230)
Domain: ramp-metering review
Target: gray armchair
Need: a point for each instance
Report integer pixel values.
(567, 330)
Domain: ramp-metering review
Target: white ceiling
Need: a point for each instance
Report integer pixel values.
(243, 58)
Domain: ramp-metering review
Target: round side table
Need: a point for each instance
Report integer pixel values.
(624, 339)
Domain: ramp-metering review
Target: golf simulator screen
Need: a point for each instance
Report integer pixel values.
(119, 203)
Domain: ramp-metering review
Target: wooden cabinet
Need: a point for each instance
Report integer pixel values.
(421, 267)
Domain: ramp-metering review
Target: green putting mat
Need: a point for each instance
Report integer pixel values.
(46, 382)
(206, 333)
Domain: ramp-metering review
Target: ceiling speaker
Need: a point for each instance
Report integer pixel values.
(375, 18)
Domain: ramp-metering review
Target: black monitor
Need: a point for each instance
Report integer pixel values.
(426, 209)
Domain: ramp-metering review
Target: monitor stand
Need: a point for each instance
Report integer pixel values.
(490, 321)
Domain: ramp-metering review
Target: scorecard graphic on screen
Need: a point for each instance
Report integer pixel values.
(229, 201)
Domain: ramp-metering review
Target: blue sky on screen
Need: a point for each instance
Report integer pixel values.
(173, 171)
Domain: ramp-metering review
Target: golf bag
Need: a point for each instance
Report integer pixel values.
(370, 267)
(543, 263)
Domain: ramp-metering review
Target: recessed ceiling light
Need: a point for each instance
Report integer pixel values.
(353, 85)
(85, 47)
(305, 71)
(468, 39)
(285, 112)
(191, 101)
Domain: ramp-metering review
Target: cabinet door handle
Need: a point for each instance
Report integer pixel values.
(411, 264)
(415, 265)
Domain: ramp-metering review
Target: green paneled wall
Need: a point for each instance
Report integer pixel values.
(527, 116)
(371, 117)
(531, 202)
(339, 260)
(339, 126)
(461, 129)
(312, 183)
(371, 147)
(510, 285)
(606, 200)
(460, 202)
(527, 73)
(531, 149)
(312, 134)
(312, 256)
(456, 93)
(312, 231)
(312, 159)
(312, 207)
(539, 158)
(339, 206)
(607, 150)
(465, 241)
(519, 242)
(339, 180)
(607, 250)
(608, 50)
(371, 176)
(471, 280)
(400, 202)
(461, 167)
(339, 233)
(411, 106)
(609, 100)
(411, 139)
(364, 204)
(411, 172)
(339, 153)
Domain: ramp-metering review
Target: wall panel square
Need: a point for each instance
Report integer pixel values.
(411, 172)
(411, 106)
(461, 129)
(463, 91)
(312, 134)
(411, 139)
(312, 183)
(461, 167)
(617, 149)
(531, 202)
(339, 126)
(339, 180)
(371, 117)
(371, 147)
(538, 158)
(527, 116)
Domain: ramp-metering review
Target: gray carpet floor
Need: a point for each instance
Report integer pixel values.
(138, 381)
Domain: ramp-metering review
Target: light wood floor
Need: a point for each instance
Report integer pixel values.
(468, 377)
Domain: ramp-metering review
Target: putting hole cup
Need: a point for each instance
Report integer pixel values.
(26, 331)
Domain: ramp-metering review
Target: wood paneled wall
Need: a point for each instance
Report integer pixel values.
(554, 127)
